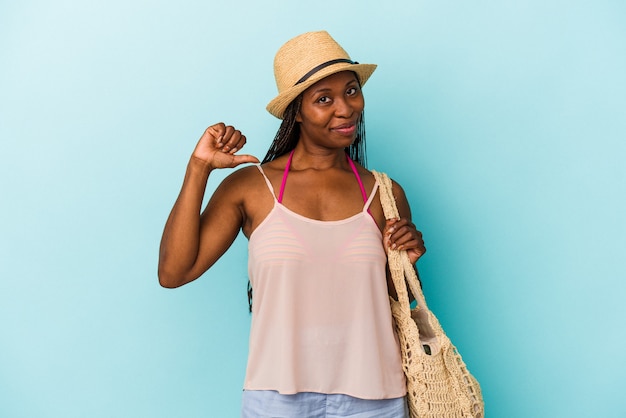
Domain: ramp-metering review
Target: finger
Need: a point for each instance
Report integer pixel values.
(387, 231)
(398, 223)
(403, 242)
(226, 136)
(415, 255)
(231, 139)
(411, 244)
(398, 231)
(391, 222)
(216, 131)
(405, 222)
(245, 158)
(390, 226)
(239, 145)
(406, 238)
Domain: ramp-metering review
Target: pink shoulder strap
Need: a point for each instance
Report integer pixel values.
(284, 181)
(358, 178)
(352, 166)
(267, 181)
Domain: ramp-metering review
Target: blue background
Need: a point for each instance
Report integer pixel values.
(504, 121)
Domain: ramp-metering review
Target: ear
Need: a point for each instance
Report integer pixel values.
(299, 116)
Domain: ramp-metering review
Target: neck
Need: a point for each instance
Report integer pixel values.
(318, 159)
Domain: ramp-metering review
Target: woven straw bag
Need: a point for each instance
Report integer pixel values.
(438, 382)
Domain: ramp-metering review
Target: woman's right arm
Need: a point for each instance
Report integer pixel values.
(192, 242)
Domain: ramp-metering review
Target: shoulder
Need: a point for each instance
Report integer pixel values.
(397, 189)
(247, 182)
(241, 183)
(277, 164)
(243, 175)
(367, 174)
(400, 197)
(402, 201)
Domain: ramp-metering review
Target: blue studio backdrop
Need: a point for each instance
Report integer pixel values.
(504, 122)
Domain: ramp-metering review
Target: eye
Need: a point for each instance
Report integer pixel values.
(323, 100)
(352, 91)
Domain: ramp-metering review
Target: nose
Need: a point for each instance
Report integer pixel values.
(343, 108)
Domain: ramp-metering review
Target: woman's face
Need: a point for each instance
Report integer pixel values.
(330, 111)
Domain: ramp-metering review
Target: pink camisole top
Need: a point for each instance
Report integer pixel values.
(321, 320)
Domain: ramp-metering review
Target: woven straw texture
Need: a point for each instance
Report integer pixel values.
(300, 55)
(438, 385)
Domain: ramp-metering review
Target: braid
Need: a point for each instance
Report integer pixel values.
(287, 138)
(288, 133)
(356, 151)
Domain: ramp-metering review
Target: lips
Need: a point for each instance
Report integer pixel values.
(346, 129)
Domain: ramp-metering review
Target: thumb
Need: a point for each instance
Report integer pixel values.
(245, 158)
(389, 223)
(387, 232)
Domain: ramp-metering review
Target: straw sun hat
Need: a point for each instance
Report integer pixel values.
(305, 60)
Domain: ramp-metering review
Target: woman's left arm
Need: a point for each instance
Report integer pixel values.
(401, 234)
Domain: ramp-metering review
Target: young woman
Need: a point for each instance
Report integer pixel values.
(322, 340)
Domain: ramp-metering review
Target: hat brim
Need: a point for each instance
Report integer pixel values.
(278, 105)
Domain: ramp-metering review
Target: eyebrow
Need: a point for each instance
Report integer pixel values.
(323, 90)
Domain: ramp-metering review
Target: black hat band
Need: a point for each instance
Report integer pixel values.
(322, 66)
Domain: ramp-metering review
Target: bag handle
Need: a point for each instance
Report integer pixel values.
(400, 266)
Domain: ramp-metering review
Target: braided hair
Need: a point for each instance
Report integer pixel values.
(287, 137)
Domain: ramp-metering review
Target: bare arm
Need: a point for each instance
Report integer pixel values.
(193, 242)
(403, 235)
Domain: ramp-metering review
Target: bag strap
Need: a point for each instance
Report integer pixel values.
(400, 266)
